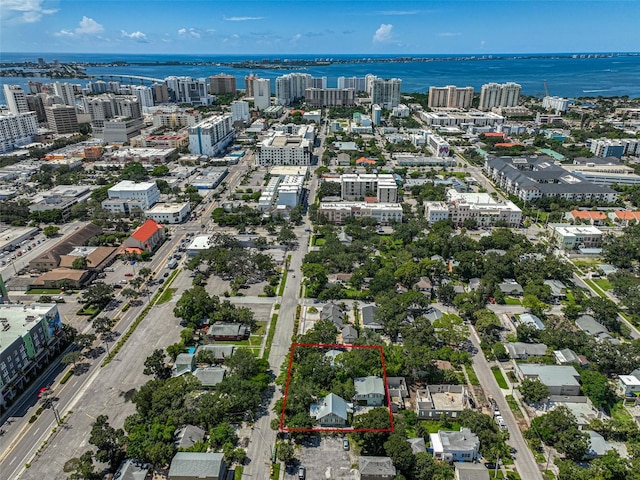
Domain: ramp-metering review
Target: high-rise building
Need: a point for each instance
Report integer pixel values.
(261, 88)
(495, 95)
(35, 87)
(359, 84)
(319, 82)
(385, 93)
(143, 94)
(557, 104)
(329, 97)
(291, 87)
(65, 92)
(62, 118)
(221, 84)
(160, 93)
(36, 104)
(176, 120)
(114, 118)
(99, 86)
(17, 130)
(211, 136)
(16, 100)
(376, 114)
(450, 97)
(240, 111)
(248, 84)
(189, 90)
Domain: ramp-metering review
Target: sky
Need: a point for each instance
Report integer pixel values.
(319, 26)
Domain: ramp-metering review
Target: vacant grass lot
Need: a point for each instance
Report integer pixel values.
(497, 373)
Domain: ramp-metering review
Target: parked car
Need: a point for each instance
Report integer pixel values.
(302, 472)
(345, 444)
(116, 285)
(128, 274)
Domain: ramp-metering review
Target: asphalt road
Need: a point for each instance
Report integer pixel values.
(524, 460)
(96, 390)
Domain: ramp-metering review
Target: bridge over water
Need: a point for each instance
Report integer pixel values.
(131, 78)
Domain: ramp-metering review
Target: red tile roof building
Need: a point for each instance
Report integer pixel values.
(146, 237)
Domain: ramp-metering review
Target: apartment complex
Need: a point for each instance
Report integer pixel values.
(176, 120)
(383, 187)
(211, 136)
(450, 97)
(572, 237)
(127, 195)
(530, 178)
(480, 208)
(16, 99)
(495, 95)
(62, 118)
(384, 92)
(17, 130)
(463, 120)
(114, 118)
(557, 104)
(330, 97)
(291, 87)
(29, 338)
(359, 84)
(383, 213)
(240, 111)
(222, 84)
(282, 148)
(193, 91)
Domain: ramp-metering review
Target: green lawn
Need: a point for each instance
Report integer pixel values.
(43, 291)
(497, 373)
(261, 327)
(621, 415)
(90, 310)
(595, 287)
(237, 472)
(512, 301)
(432, 426)
(473, 378)
(318, 241)
(603, 283)
(513, 405)
(166, 296)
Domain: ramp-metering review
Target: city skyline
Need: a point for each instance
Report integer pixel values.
(328, 26)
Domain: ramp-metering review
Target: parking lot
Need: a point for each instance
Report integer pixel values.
(324, 458)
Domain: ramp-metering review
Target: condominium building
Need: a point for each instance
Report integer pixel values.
(438, 145)
(383, 213)
(193, 91)
(291, 87)
(329, 97)
(66, 92)
(376, 114)
(461, 119)
(108, 106)
(450, 97)
(530, 178)
(359, 84)
(240, 111)
(211, 136)
(125, 194)
(62, 118)
(605, 147)
(160, 93)
(36, 104)
(571, 237)
(557, 104)
(355, 186)
(17, 130)
(385, 93)
(16, 101)
(248, 84)
(480, 208)
(261, 93)
(143, 94)
(222, 84)
(494, 95)
(176, 120)
(281, 148)
(29, 339)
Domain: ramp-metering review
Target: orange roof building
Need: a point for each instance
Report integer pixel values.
(365, 161)
(591, 216)
(626, 215)
(494, 134)
(509, 144)
(147, 236)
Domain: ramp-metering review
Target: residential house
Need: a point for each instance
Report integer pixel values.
(470, 471)
(590, 325)
(331, 356)
(349, 334)
(368, 318)
(424, 285)
(559, 379)
(437, 400)
(566, 356)
(376, 468)
(147, 237)
(598, 446)
(331, 411)
(586, 216)
(132, 469)
(417, 445)
(333, 313)
(432, 314)
(522, 351)
(185, 363)
(451, 446)
(228, 331)
(219, 352)
(532, 320)
(557, 290)
(398, 391)
(187, 436)
(474, 284)
(196, 465)
(628, 385)
(370, 391)
(209, 376)
(511, 287)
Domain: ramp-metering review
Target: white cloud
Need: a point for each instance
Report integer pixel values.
(137, 35)
(86, 26)
(23, 11)
(242, 19)
(383, 33)
(295, 38)
(397, 12)
(193, 32)
(449, 34)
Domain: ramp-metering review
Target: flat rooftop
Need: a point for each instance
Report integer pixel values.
(167, 208)
(20, 319)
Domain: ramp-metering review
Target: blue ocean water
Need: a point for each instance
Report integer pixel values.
(566, 76)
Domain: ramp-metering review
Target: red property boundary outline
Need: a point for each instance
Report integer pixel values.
(345, 429)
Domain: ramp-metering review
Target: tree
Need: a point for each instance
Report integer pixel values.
(451, 330)
(285, 451)
(195, 304)
(399, 451)
(286, 236)
(84, 469)
(533, 391)
(372, 442)
(72, 358)
(50, 231)
(222, 434)
(129, 293)
(84, 340)
(596, 386)
(145, 272)
(154, 365)
(446, 293)
(80, 263)
(108, 441)
(98, 294)
(426, 468)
